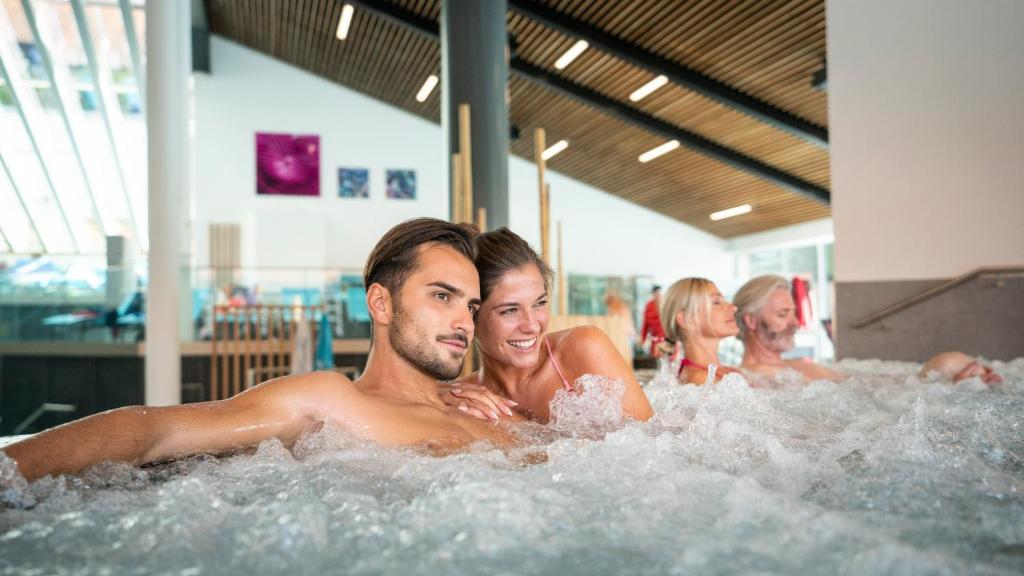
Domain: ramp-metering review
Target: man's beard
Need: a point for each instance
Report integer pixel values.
(416, 348)
(775, 340)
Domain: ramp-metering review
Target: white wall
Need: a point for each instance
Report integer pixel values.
(797, 234)
(927, 136)
(603, 234)
(248, 92)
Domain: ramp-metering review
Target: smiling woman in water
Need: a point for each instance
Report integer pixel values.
(519, 359)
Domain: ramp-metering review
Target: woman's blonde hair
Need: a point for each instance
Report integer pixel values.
(692, 296)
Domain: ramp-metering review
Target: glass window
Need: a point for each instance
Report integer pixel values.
(586, 294)
(30, 179)
(6, 98)
(16, 226)
(803, 260)
(767, 262)
(829, 262)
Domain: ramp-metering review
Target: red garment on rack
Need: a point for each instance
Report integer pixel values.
(652, 325)
(802, 298)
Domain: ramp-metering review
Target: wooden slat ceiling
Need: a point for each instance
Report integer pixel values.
(768, 49)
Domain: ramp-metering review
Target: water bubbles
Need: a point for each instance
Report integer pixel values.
(883, 472)
(593, 407)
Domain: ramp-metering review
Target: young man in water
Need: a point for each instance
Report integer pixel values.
(766, 314)
(421, 289)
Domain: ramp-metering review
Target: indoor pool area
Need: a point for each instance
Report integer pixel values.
(514, 287)
(886, 473)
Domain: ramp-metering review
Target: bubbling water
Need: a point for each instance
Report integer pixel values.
(884, 472)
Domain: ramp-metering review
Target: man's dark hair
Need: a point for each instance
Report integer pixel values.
(394, 257)
(502, 250)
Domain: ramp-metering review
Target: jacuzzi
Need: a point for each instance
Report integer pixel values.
(883, 473)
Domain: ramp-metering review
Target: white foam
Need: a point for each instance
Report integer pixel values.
(881, 473)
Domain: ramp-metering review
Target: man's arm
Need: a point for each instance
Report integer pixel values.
(283, 408)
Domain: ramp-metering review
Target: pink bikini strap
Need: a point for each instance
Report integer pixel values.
(551, 356)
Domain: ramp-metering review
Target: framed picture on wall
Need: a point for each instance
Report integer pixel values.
(287, 164)
(401, 184)
(353, 182)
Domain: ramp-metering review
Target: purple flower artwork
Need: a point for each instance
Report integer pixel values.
(287, 164)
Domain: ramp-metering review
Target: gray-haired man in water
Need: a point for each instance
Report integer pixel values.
(422, 291)
(766, 315)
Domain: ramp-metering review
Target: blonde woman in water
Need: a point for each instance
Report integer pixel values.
(695, 313)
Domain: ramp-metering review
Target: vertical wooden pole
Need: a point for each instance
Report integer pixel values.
(481, 219)
(563, 294)
(246, 348)
(457, 189)
(258, 335)
(225, 363)
(236, 347)
(538, 153)
(545, 220)
(282, 366)
(466, 153)
(213, 354)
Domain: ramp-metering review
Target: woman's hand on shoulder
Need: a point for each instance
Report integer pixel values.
(476, 400)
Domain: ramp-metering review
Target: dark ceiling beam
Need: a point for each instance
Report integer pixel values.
(691, 140)
(819, 80)
(617, 109)
(676, 73)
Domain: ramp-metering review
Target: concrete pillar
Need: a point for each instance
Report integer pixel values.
(168, 56)
(474, 69)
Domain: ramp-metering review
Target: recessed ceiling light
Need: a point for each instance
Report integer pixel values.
(345, 21)
(646, 89)
(571, 54)
(729, 213)
(554, 149)
(427, 88)
(655, 152)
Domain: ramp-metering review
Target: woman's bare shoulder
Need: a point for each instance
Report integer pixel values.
(579, 337)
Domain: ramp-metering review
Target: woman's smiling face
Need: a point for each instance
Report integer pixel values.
(514, 317)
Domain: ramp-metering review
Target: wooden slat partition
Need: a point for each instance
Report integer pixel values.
(616, 328)
(251, 344)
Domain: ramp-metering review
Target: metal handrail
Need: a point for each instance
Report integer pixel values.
(903, 305)
(43, 409)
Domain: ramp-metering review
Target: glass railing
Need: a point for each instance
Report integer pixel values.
(339, 291)
(80, 299)
(72, 298)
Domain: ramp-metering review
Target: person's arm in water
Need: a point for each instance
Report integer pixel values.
(588, 350)
(283, 408)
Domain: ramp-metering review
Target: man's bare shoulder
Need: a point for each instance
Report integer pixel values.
(813, 371)
(763, 369)
(360, 408)
(312, 387)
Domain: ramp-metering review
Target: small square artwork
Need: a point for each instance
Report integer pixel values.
(353, 183)
(401, 184)
(287, 164)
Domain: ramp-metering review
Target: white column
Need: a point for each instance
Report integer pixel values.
(168, 64)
